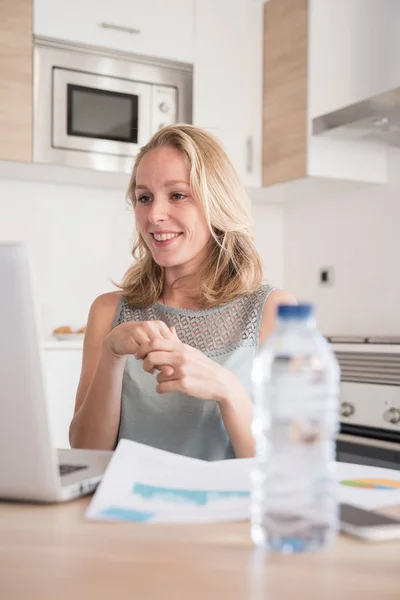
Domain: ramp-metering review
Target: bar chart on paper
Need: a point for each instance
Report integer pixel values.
(182, 496)
(146, 485)
(172, 498)
(372, 484)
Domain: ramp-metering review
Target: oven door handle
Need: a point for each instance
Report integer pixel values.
(364, 441)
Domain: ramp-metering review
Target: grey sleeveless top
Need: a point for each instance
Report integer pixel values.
(174, 421)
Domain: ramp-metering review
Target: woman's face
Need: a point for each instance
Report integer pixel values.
(170, 220)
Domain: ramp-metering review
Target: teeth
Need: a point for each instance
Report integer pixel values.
(162, 237)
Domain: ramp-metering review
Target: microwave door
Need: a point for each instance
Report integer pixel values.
(100, 114)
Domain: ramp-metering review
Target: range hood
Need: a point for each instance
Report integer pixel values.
(373, 119)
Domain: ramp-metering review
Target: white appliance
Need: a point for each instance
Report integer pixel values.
(370, 400)
(95, 108)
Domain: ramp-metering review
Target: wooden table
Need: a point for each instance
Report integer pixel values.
(53, 553)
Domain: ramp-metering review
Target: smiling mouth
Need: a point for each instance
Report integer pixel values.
(165, 237)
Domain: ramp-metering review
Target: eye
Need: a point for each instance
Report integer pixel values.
(178, 196)
(143, 199)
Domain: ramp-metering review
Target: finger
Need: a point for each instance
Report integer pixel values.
(158, 359)
(169, 386)
(161, 377)
(141, 336)
(166, 333)
(166, 371)
(155, 345)
(173, 331)
(159, 329)
(178, 384)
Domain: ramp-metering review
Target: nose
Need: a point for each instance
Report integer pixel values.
(158, 211)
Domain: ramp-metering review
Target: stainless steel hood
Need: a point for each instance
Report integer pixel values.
(374, 119)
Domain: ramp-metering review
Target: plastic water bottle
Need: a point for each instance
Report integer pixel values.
(296, 418)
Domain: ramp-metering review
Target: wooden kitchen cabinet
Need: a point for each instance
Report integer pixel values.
(62, 367)
(16, 80)
(320, 56)
(156, 28)
(227, 95)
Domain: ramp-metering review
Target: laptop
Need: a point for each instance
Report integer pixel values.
(30, 469)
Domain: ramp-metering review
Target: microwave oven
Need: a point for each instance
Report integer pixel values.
(95, 108)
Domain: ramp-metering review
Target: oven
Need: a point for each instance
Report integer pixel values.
(370, 402)
(95, 109)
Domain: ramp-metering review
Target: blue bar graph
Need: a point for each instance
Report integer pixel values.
(182, 496)
(125, 514)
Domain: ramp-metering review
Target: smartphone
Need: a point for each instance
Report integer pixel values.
(368, 525)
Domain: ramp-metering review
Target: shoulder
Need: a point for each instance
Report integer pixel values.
(274, 297)
(268, 296)
(279, 296)
(110, 299)
(102, 315)
(105, 305)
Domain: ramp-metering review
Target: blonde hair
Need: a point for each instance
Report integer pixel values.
(233, 265)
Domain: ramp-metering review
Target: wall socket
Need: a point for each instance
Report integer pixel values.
(326, 276)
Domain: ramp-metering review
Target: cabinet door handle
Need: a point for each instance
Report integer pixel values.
(249, 154)
(130, 30)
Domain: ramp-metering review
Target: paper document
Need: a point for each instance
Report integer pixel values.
(146, 485)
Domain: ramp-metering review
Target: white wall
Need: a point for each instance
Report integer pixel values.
(268, 230)
(358, 233)
(80, 240)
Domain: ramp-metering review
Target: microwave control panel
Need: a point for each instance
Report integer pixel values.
(165, 104)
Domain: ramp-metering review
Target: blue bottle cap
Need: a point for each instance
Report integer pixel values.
(295, 311)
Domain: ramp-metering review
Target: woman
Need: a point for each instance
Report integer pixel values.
(167, 360)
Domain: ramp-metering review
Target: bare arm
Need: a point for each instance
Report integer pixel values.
(98, 401)
(235, 404)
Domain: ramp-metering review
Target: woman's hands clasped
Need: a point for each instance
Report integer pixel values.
(180, 367)
(183, 369)
(127, 338)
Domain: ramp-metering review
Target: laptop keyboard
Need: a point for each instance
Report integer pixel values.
(67, 469)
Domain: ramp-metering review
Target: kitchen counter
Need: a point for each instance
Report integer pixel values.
(53, 344)
(53, 553)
